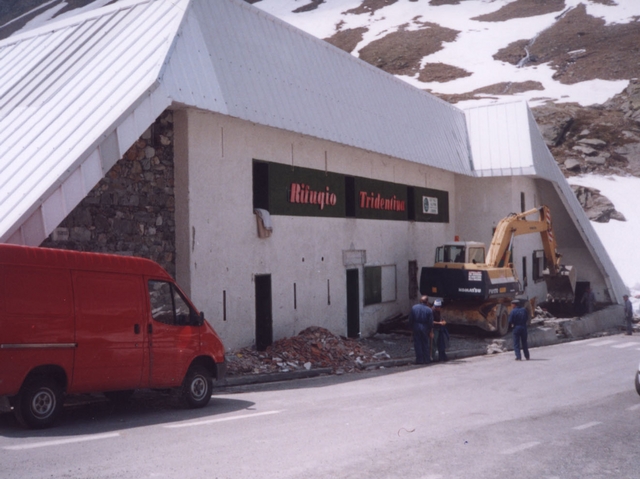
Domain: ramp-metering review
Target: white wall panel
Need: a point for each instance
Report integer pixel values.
(54, 210)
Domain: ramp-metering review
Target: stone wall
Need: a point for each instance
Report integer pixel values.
(131, 211)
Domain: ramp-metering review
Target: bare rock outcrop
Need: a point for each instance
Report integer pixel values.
(598, 207)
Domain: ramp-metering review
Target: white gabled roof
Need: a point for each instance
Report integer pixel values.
(76, 94)
(73, 97)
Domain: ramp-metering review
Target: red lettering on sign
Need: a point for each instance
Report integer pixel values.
(373, 201)
(303, 194)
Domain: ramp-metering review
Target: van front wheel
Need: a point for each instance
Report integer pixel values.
(197, 386)
(39, 403)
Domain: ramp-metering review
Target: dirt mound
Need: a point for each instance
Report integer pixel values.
(400, 52)
(522, 9)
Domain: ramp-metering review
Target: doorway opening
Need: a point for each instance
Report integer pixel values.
(353, 303)
(264, 320)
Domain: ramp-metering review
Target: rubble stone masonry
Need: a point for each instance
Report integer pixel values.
(131, 211)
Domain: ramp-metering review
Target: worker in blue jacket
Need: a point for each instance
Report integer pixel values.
(421, 323)
(518, 319)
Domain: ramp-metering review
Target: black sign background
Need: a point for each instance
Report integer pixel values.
(443, 205)
(386, 191)
(281, 177)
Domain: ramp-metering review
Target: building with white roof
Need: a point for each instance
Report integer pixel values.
(336, 154)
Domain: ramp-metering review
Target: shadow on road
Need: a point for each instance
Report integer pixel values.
(330, 380)
(94, 414)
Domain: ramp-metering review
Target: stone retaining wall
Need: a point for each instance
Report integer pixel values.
(131, 211)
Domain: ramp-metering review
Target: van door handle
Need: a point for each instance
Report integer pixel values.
(149, 328)
(136, 328)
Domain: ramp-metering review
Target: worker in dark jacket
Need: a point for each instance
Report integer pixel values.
(518, 319)
(421, 323)
(628, 315)
(440, 329)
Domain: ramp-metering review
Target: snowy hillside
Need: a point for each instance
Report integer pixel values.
(465, 37)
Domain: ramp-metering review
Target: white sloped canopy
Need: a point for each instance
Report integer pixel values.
(505, 141)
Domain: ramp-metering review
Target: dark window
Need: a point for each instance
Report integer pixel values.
(524, 271)
(224, 305)
(372, 285)
(168, 306)
(538, 265)
(522, 205)
(261, 185)
(350, 196)
(450, 254)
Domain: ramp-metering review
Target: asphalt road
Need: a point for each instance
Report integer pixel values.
(570, 412)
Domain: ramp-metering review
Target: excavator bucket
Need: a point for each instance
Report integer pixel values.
(561, 286)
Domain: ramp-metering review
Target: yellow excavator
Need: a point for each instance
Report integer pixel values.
(477, 288)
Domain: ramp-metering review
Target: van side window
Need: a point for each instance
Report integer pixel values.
(167, 304)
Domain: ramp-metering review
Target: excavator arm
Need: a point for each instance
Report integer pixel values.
(499, 253)
(560, 279)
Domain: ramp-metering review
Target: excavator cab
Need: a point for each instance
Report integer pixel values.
(460, 252)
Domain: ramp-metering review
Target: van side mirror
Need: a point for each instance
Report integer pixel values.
(196, 319)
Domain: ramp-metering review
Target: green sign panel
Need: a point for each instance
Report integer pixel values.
(296, 191)
(380, 200)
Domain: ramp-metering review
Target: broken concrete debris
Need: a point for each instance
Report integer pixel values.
(313, 348)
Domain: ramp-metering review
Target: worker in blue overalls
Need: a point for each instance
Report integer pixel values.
(421, 323)
(518, 319)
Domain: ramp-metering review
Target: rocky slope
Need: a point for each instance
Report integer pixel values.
(603, 139)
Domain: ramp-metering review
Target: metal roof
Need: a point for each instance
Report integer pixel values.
(74, 95)
(500, 139)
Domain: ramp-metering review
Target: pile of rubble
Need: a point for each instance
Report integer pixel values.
(313, 348)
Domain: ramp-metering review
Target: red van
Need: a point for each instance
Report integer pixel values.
(73, 322)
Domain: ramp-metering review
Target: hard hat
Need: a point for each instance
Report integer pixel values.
(437, 303)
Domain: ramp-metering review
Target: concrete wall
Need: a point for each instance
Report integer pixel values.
(572, 245)
(480, 205)
(219, 252)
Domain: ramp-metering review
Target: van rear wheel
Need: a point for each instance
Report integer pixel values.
(39, 403)
(197, 386)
